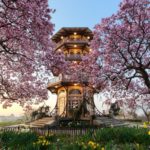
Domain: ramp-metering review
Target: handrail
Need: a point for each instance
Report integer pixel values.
(66, 79)
(97, 112)
(70, 40)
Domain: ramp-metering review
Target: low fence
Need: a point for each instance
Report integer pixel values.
(68, 131)
(48, 131)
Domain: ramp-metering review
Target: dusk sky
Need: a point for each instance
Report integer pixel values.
(74, 13)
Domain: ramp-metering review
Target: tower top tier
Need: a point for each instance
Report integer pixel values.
(68, 31)
(73, 40)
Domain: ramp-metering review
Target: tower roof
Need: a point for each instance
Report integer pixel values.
(65, 31)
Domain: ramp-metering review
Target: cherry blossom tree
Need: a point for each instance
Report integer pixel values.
(140, 102)
(131, 102)
(87, 70)
(25, 29)
(123, 41)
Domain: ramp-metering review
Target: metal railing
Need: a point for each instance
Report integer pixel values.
(71, 40)
(68, 79)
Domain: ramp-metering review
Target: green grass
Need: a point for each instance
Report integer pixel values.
(8, 123)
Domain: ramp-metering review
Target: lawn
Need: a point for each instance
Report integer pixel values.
(9, 123)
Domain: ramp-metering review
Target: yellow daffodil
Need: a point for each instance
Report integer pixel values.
(137, 145)
(103, 148)
(144, 125)
(148, 132)
(91, 143)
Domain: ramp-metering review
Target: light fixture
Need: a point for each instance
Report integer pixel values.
(90, 49)
(74, 45)
(56, 86)
(59, 50)
(88, 37)
(75, 33)
(75, 84)
(61, 37)
(52, 90)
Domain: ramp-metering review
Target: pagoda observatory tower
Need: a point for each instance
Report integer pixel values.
(72, 96)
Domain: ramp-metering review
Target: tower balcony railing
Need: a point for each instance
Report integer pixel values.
(71, 40)
(71, 79)
(67, 79)
(73, 57)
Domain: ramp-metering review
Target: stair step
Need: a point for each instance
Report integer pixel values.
(110, 121)
(42, 122)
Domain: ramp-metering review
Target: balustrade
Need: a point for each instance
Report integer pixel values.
(72, 40)
(68, 79)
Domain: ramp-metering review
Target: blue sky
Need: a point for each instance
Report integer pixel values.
(79, 13)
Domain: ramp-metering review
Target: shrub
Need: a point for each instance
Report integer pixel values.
(107, 138)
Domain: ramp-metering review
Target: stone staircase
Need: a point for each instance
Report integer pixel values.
(109, 122)
(42, 122)
(102, 121)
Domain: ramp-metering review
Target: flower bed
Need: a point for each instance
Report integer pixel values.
(103, 139)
